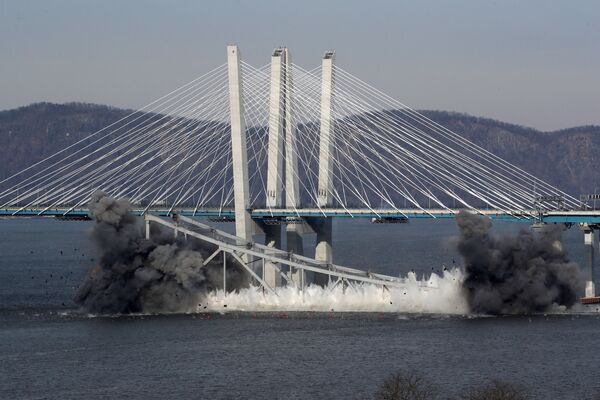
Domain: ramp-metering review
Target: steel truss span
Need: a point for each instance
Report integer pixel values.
(243, 250)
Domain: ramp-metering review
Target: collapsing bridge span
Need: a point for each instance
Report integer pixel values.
(248, 253)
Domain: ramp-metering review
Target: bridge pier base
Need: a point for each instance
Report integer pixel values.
(295, 244)
(323, 227)
(270, 272)
(590, 239)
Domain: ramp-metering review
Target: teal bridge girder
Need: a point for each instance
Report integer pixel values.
(567, 216)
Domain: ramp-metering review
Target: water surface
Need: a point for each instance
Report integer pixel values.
(48, 349)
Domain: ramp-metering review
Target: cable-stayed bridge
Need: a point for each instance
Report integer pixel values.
(281, 145)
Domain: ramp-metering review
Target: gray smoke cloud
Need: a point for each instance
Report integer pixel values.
(137, 275)
(521, 273)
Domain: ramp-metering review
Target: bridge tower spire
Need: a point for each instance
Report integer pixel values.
(275, 179)
(326, 130)
(292, 195)
(243, 221)
(282, 135)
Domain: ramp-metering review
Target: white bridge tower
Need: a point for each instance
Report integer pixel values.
(282, 189)
(244, 226)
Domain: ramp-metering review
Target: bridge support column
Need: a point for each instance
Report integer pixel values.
(272, 239)
(591, 242)
(323, 227)
(243, 222)
(295, 244)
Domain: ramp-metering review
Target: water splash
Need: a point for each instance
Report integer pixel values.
(436, 295)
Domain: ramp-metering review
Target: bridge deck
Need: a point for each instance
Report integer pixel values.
(570, 216)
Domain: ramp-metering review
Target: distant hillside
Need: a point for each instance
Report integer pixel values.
(567, 158)
(29, 134)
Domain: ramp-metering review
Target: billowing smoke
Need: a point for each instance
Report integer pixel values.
(521, 273)
(135, 275)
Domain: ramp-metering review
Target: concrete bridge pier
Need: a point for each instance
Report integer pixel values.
(323, 227)
(295, 245)
(270, 273)
(323, 250)
(590, 237)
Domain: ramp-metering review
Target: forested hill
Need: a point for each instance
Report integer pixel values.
(567, 158)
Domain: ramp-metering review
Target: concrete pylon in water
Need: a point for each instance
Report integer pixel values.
(591, 242)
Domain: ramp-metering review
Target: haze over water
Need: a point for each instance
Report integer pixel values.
(49, 350)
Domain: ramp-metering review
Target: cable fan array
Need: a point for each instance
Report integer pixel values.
(176, 152)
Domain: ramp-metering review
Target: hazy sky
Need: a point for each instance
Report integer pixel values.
(535, 63)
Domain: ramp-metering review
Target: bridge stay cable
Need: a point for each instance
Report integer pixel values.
(175, 154)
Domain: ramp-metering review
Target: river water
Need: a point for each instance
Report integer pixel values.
(50, 350)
